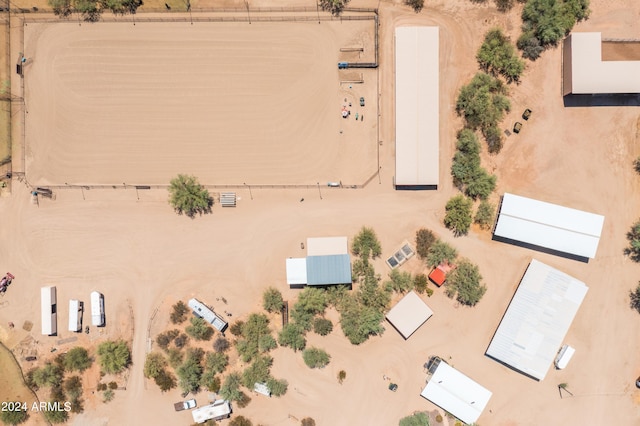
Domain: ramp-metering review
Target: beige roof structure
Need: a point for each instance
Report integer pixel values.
(326, 246)
(584, 71)
(409, 314)
(417, 108)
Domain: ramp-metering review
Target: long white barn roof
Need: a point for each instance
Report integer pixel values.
(537, 320)
(454, 392)
(549, 225)
(417, 106)
(591, 75)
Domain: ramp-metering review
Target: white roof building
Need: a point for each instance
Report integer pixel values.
(456, 393)
(549, 226)
(49, 311)
(203, 311)
(409, 314)
(296, 271)
(326, 246)
(537, 320)
(584, 71)
(417, 108)
(327, 263)
(218, 410)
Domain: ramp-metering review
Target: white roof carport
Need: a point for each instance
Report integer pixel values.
(409, 314)
(456, 393)
(537, 320)
(550, 226)
(296, 271)
(326, 246)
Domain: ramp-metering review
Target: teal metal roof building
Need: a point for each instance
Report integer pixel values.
(329, 269)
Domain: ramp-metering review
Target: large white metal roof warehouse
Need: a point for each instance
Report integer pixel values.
(409, 314)
(537, 320)
(550, 226)
(417, 108)
(457, 394)
(584, 71)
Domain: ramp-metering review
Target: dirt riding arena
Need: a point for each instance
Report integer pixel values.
(230, 103)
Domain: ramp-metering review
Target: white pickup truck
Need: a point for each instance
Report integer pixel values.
(185, 405)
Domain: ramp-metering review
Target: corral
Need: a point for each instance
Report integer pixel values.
(110, 103)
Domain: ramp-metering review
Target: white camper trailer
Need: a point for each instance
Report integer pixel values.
(97, 309)
(49, 310)
(75, 315)
(564, 356)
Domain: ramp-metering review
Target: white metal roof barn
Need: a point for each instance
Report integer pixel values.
(456, 393)
(548, 226)
(584, 71)
(409, 314)
(537, 320)
(417, 108)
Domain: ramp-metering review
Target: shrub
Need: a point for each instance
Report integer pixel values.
(240, 421)
(341, 376)
(248, 347)
(307, 421)
(277, 387)
(114, 356)
(636, 165)
(77, 359)
(333, 6)
(257, 372)
(216, 362)
(441, 252)
(13, 417)
(484, 215)
(439, 418)
(73, 387)
(633, 236)
(420, 283)
(465, 281)
(181, 341)
(165, 380)
(366, 244)
(210, 381)
(481, 185)
(199, 329)
(267, 343)
(48, 375)
(236, 328)
(497, 56)
(154, 365)
(359, 322)
(175, 357)
(188, 197)
(56, 416)
(424, 239)
(272, 300)
(634, 298)
(221, 344)
(401, 282)
(189, 374)
(179, 312)
(29, 381)
(102, 387)
(458, 215)
(230, 389)
(108, 395)
(315, 358)
(418, 419)
(322, 326)
(493, 137)
(530, 46)
(416, 5)
(292, 335)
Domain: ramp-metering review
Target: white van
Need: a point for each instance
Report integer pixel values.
(75, 315)
(97, 309)
(564, 356)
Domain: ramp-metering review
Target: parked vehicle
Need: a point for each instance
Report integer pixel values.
(393, 387)
(5, 282)
(362, 101)
(638, 382)
(185, 405)
(517, 127)
(526, 114)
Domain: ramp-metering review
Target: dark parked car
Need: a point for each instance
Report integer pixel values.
(526, 114)
(393, 387)
(517, 127)
(361, 102)
(638, 382)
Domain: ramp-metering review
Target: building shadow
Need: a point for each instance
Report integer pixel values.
(540, 249)
(626, 99)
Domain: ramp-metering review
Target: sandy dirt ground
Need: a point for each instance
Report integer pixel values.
(231, 103)
(138, 251)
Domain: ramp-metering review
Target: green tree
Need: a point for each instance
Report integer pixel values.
(210, 381)
(366, 244)
(165, 380)
(154, 365)
(493, 137)
(277, 387)
(424, 239)
(418, 419)
(175, 356)
(179, 312)
(49, 375)
(497, 56)
(189, 374)
(466, 282)
(56, 416)
(416, 5)
(370, 294)
(199, 329)
(400, 282)
(359, 322)
(634, 298)
(221, 344)
(90, 10)
(458, 215)
(441, 252)
(188, 197)
(292, 335)
(230, 389)
(307, 421)
(257, 372)
(267, 343)
(77, 359)
(13, 417)
(481, 185)
(334, 6)
(315, 358)
(253, 330)
(62, 8)
(236, 328)
(484, 214)
(311, 301)
(108, 395)
(421, 283)
(322, 326)
(272, 300)
(216, 361)
(633, 236)
(73, 387)
(114, 356)
(240, 421)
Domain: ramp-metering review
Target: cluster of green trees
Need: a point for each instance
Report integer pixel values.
(179, 312)
(255, 337)
(465, 283)
(91, 10)
(633, 251)
(199, 329)
(546, 22)
(417, 419)
(315, 358)
(458, 216)
(502, 5)
(468, 175)
(114, 356)
(497, 56)
(483, 103)
(416, 5)
(334, 6)
(187, 196)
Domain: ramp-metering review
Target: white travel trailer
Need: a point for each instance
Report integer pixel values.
(49, 310)
(75, 315)
(97, 309)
